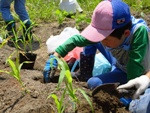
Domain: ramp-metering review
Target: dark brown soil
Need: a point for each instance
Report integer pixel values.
(14, 100)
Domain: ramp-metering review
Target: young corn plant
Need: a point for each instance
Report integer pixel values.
(13, 41)
(59, 102)
(65, 75)
(27, 44)
(15, 69)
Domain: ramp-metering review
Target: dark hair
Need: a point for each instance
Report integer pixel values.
(118, 32)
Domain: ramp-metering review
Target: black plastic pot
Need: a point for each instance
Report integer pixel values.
(27, 57)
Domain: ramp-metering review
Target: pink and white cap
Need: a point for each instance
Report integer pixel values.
(107, 16)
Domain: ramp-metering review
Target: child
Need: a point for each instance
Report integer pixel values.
(19, 6)
(115, 33)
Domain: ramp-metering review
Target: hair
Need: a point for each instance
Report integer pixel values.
(119, 32)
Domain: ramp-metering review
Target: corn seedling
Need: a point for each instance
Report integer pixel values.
(27, 44)
(65, 73)
(13, 40)
(59, 103)
(15, 70)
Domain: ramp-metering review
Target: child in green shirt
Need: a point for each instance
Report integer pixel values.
(121, 38)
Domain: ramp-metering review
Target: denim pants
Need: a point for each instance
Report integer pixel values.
(19, 7)
(115, 75)
(0, 5)
(141, 105)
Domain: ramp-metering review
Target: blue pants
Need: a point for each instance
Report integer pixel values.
(141, 105)
(115, 75)
(0, 5)
(19, 6)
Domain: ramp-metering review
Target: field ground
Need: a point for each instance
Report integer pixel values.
(12, 99)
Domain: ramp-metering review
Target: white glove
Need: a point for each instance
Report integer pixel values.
(140, 83)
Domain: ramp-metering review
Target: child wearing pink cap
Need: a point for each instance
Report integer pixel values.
(121, 38)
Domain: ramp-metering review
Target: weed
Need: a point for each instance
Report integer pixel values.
(82, 18)
(61, 15)
(44, 10)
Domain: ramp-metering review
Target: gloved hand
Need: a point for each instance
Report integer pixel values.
(49, 68)
(140, 83)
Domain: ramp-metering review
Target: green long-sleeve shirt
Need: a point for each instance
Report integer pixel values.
(138, 53)
(134, 60)
(71, 43)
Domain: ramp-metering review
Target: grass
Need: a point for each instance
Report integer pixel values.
(40, 10)
(45, 10)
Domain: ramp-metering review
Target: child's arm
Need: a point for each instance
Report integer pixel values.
(71, 43)
(148, 74)
(61, 51)
(137, 53)
(134, 66)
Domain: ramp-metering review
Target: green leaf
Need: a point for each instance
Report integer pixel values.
(56, 102)
(68, 76)
(87, 98)
(14, 69)
(57, 12)
(61, 77)
(62, 100)
(2, 71)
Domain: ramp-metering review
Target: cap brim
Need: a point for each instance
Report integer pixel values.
(95, 35)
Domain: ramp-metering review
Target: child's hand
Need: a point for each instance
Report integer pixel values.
(49, 68)
(140, 83)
